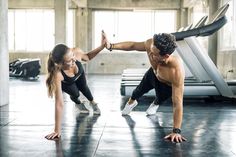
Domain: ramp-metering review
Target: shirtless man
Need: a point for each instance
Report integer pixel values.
(166, 76)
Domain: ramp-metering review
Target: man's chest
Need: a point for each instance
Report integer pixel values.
(163, 74)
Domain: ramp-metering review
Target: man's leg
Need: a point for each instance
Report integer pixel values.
(144, 86)
(163, 92)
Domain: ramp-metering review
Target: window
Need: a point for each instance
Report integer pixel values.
(134, 26)
(163, 25)
(228, 32)
(137, 25)
(11, 25)
(20, 30)
(32, 30)
(104, 20)
(71, 28)
(197, 12)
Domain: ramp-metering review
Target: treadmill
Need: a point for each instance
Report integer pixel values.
(202, 76)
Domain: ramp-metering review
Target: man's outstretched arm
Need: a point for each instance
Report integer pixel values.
(126, 46)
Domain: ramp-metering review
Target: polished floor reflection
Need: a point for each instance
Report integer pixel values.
(209, 127)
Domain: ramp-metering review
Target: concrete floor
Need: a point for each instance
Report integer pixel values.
(209, 127)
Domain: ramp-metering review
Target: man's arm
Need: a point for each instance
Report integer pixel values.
(177, 96)
(177, 100)
(128, 46)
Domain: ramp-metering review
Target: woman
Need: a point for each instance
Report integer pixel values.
(66, 74)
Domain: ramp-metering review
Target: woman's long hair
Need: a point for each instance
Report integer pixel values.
(56, 57)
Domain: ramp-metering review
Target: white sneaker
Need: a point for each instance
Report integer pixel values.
(95, 108)
(82, 108)
(129, 107)
(152, 109)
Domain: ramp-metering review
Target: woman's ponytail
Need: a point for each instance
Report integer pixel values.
(51, 75)
(55, 57)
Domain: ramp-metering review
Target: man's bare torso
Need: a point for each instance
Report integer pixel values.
(166, 71)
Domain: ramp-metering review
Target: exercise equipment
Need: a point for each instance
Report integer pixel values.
(25, 68)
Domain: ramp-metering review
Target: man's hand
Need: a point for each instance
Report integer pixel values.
(173, 137)
(53, 136)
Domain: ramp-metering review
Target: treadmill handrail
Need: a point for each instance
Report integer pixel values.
(202, 31)
(217, 21)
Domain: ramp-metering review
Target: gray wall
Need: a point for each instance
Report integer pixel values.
(114, 62)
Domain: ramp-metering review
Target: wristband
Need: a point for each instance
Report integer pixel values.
(111, 46)
(176, 131)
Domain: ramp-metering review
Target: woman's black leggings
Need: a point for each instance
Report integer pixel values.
(80, 85)
(150, 81)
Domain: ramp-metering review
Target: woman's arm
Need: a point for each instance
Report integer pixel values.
(91, 54)
(58, 108)
(80, 55)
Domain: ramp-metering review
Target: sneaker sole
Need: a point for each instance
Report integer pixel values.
(97, 113)
(150, 114)
(83, 111)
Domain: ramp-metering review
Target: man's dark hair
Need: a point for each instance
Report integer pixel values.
(165, 43)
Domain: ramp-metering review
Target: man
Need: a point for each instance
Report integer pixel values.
(166, 76)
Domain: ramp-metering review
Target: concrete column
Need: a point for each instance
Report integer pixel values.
(182, 20)
(183, 17)
(212, 40)
(4, 56)
(84, 28)
(61, 8)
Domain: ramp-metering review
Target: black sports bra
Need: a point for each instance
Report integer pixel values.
(70, 80)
